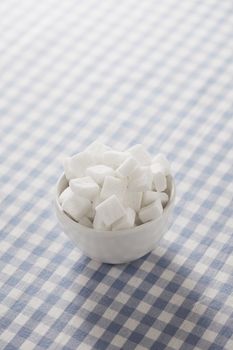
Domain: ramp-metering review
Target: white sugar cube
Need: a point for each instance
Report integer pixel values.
(85, 221)
(80, 162)
(110, 210)
(127, 167)
(127, 221)
(149, 197)
(164, 163)
(97, 149)
(151, 212)
(96, 201)
(157, 167)
(67, 193)
(69, 174)
(141, 180)
(98, 223)
(114, 158)
(113, 185)
(133, 200)
(84, 187)
(159, 178)
(98, 173)
(76, 207)
(140, 154)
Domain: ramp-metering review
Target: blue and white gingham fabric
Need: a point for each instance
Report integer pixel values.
(153, 72)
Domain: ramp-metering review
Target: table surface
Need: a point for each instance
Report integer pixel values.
(157, 73)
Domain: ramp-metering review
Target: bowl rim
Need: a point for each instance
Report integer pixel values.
(108, 233)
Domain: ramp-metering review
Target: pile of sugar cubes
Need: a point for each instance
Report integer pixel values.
(113, 190)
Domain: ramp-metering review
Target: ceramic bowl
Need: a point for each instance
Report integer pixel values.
(115, 247)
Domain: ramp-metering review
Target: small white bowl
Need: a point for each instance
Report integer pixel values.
(115, 247)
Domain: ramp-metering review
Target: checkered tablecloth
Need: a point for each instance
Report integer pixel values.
(153, 72)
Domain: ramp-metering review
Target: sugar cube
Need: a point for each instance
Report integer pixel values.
(140, 154)
(141, 180)
(114, 158)
(84, 187)
(126, 221)
(98, 223)
(65, 194)
(133, 200)
(98, 173)
(113, 185)
(151, 212)
(149, 197)
(80, 162)
(76, 207)
(97, 149)
(110, 210)
(127, 167)
(69, 174)
(96, 201)
(164, 163)
(159, 180)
